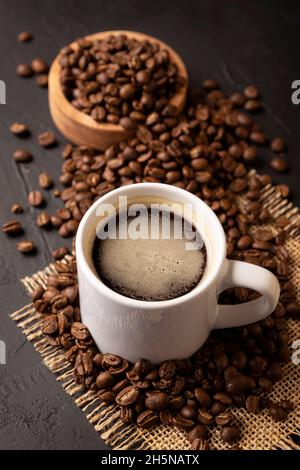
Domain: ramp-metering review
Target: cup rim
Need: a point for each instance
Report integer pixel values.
(135, 303)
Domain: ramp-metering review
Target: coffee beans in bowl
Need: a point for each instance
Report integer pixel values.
(104, 85)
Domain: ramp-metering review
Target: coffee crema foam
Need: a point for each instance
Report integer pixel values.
(149, 269)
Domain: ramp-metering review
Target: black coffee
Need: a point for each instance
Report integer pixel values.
(168, 262)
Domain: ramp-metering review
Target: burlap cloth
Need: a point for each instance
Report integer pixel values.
(258, 431)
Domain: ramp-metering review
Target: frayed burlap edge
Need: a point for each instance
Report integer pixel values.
(259, 431)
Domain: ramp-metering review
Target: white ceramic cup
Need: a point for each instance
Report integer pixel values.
(176, 328)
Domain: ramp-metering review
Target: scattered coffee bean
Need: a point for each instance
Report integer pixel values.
(156, 400)
(25, 36)
(22, 156)
(198, 432)
(24, 70)
(60, 252)
(19, 129)
(147, 419)
(47, 139)
(45, 181)
(13, 227)
(26, 246)
(43, 220)
(210, 84)
(17, 208)
(279, 164)
(199, 444)
(224, 419)
(39, 66)
(37, 293)
(252, 404)
(42, 80)
(277, 412)
(278, 145)
(251, 92)
(35, 198)
(230, 434)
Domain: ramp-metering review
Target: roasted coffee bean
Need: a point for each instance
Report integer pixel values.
(24, 36)
(111, 360)
(35, 198)
(126, 415)
(223, 419)
(181, 422)
(176, 402)
(200, 444)
(45, 181)
(147, 419)
(189, 412)
(252, 404)
(218, 408)
(277, 412)
(13, 227)
(203, 397)
(167, 369)
(43, 220)
(198, 432)
(17, 208)
(278, 145)
(252, 105)
(60, 252)
(104, 380)
(42, 80)
(127, 123)
(39, 66)
(106, 396)
(119, 386)
(279, 164)
(205, 417)
(251, 92)
(37, 293)
(239, 359)
(156, 400)
(223, 398)
(50, 325)
(127, 396)
(19, 129)
(165, 417)
(79, 331)
(47, 139)
(24, 70)
(230, 434)
(26, 246)
(22, 156)
(236, 385)
(141, 367)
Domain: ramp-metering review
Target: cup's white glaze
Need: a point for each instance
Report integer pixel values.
(172, 328)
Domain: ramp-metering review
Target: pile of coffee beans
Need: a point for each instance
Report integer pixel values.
(118, 79)
(235, 368)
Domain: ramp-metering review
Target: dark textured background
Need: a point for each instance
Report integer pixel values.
(237, 42)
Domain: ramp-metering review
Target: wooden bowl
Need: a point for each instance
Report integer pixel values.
(82, 129)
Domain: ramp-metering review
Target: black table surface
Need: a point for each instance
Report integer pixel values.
(236, 42)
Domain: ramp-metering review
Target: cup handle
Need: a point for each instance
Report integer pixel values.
(242, 274)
